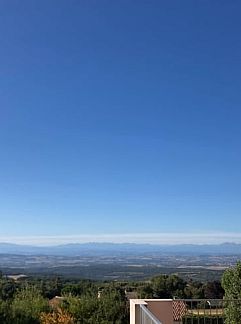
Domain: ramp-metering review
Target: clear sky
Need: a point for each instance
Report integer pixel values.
(120, 117)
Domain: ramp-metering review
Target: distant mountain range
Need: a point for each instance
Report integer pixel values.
(94, 249)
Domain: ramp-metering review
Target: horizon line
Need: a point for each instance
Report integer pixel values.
(173, 238)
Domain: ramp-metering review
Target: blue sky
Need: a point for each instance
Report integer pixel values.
(120, 117)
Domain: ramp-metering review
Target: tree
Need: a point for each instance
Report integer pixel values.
(7, 289)
(109, 308)
(213, 290)
(165, 286)
(52, 288)
(231, 283)
(78, 289)
(27, 305)
(194, 289)
(4, 312)
(145, 291)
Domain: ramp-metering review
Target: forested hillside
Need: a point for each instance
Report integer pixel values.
(33, 300)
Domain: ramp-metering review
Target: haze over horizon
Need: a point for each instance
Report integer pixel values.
(144, 238)
(120, 120)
